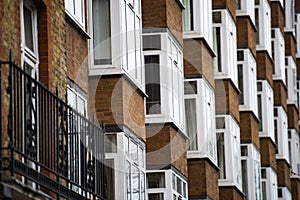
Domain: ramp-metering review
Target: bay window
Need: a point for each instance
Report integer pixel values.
(164, 79)
(289, 15)
(281, 134)
(265, 109)
(245, 7)
(278, 49)
(294, 152)
(269, 183)
(247, 80)
(228, 149)
(263, 25)
(166, 184)
(200, 119)
(251, 171)
(197, 19)
(291, 76)
(224, 44)
(75, 9)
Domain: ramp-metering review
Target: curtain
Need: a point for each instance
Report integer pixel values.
(191, 123)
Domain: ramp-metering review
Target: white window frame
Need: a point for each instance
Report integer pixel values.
(72, 7)
(294, 153)
(289, 16)
(291, 68)
(202, 21)
(170, 190)
(249, 81)
(121, 51)
(267, 111)
(232, 153)
(252, 158)
(286, 194)
(228, 47)
(281, 124)
(171, 73)
(270, 182)
(205, 122)
(264, 29)
(297, 33)
(278, 48)
(247, 8)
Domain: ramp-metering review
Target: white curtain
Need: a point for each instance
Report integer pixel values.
(191, 123)
(187, 26)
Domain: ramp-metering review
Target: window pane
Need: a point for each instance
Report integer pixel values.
(28, 26)
(158, 196)
(259, 111)
(179, 185)
(101, 32)
(128, 180)
(133, 151)
(110, 143)
(190, 87)
(191, 123)
(151, 42)
(221, 155)
(156, 180)
(244, 177)
(143, 186)
(217, 48)
(110, 178)
(152, 76)
(241, 84)
(187, 15)
(135, 183)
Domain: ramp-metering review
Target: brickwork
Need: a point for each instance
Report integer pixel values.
(290, 45)
(280, 94)
(115, 102)
(277, 16)
(297, 6)
(264, 66)
(283, 174)
(225, 4)
(295, 183)
(163, 14)
(249, 128)
(198, 60)
(293, 114)
(225, 89)
(165, 146)
(230, 193)
(267, 153)
(205, 179)
(76, 54)
(246, 34)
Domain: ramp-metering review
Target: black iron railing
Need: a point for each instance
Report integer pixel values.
(51, 147)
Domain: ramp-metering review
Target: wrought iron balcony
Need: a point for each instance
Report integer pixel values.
(45, 144)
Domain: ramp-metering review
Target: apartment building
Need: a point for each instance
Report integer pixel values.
(150, 99)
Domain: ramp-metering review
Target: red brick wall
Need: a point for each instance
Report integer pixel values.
(222, 4)
(295, 182)
(283, 174)
(249, 128)
(264, 66)
(277, 16)
(293, 118)
(246, 34)
(230, 193)
(267, 153)
(290, 45)
(203, 181)
(198, 60)
(280, 94)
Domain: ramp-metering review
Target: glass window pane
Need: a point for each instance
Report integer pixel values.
(28, 26)
(179, 185)
(128, 180)
(244, 177)
(151, 42)
(241, 83)
(101, 32)
(221, 155)
(110, 178)
(156, 180)
(79, 10)
(217, 48)
(191, 123)
(156, 196)
(187, 15)
(135, 183)
(133, 151)
(190, 87)
(110, 143)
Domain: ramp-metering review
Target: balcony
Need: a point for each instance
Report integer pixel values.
(47, 148)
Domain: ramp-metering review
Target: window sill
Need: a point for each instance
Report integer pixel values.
(77, 26)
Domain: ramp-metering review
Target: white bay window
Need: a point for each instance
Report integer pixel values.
(294, 152)
(200, 119)
(263, 25)
(197, 19)
(245, 7)
(164, 79)
(265, 104)
(269, 183)
(247, 80)
(75, 9)
(281, 134)
(224, 45)
(291, 75)
(228, 151)
(278, 49)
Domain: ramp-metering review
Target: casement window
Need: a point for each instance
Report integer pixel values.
(166, 184)
(297, 33)
(269, 183)
(200, 119)
(291, 76)
(246, 65)
(278, 50)
(294, 152)
(265, 109)
(164, 79)
(281, 134)
(245, 7)
(289, 22)
(263, 25)
(77, 99)
(116, 39)
(228, 149)
(75, 9)
(284, 193)
(224, 44)
(251, 168)
(197, 19)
